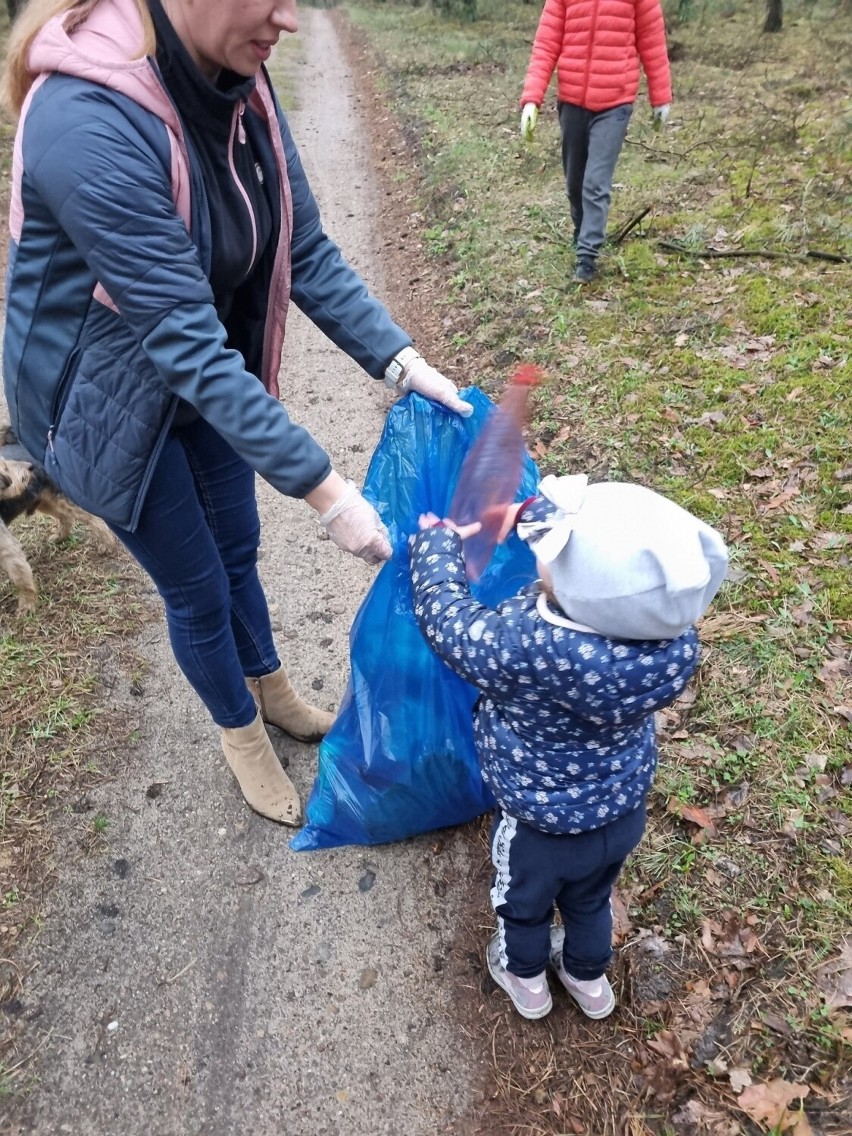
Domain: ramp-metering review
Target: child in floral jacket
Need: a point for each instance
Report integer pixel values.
(571, 671)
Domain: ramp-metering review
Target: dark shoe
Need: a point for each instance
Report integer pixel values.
(584, 270)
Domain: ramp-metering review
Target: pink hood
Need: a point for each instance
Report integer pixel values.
(102, 51)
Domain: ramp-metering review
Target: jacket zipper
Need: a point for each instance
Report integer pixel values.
(279, 284)
(238, 130)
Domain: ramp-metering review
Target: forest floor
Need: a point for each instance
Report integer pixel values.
(710, 360)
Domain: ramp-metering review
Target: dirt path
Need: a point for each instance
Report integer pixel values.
(199, 978)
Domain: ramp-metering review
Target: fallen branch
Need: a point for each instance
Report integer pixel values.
(629, 226)
(679, 154)
(765, 254)
(834, 257)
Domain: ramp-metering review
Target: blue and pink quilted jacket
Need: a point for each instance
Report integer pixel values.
(110, 316)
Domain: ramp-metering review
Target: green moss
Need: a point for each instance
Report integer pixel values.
(837, 595)
(840, 881)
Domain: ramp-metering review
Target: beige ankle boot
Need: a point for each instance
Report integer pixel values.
(265, 785)
(281, 706)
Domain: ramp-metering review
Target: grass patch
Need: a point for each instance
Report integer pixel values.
(722, 381)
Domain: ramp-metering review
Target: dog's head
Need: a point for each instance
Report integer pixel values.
(15, 478)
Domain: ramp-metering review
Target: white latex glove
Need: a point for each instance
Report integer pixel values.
(354, 525)
(660, 115)
(529, 118)
(420, 377)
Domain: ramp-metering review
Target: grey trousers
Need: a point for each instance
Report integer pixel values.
(591, 143)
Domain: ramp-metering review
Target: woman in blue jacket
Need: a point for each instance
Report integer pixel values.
(160, 223)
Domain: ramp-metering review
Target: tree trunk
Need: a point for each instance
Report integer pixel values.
(774, 16)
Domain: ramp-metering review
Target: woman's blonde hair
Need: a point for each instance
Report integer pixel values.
(17, 77)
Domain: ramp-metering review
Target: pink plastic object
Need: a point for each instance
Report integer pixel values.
(492, 471)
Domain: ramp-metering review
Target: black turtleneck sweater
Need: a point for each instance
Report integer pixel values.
(207, 111)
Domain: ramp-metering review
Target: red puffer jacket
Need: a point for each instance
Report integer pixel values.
(595, 47)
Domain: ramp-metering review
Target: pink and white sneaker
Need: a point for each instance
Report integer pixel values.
(530, 996)
(594, 996)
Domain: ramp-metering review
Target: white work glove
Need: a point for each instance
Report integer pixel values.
(354, 525)
(660, 115)
(529, 118)
(409, 371)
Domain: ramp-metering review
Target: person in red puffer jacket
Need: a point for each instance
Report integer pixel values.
(595, 47)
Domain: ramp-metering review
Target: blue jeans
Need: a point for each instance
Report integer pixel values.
(591, 143)
(535, 869)
(197, 539)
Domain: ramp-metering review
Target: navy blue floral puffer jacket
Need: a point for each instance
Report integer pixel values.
(564, 728)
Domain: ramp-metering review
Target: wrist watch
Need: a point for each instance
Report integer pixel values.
(396, 368)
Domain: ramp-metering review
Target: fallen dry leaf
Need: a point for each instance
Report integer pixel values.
(828, 541)
(734, 798)
(696, 1116)
(698, 816)
(740, 1079)
(834, 670)
(621, 925)
(769, 1103)
(711, 418)
(669, 1045)
(834, 978)
(781, 499)
(662, 1077)
(694, 815)
(731, 941)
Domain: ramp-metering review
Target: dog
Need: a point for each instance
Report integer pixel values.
(26, 488)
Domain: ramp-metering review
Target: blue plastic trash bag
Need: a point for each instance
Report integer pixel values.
(400, 759)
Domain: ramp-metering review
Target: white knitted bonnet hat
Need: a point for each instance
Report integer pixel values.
(625, 561)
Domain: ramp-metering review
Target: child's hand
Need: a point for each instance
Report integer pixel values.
(504, 516)
(430, 521)
(464, 531)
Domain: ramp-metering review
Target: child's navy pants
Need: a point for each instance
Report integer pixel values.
(534, 870)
